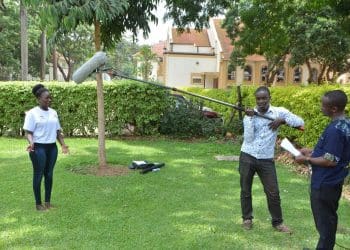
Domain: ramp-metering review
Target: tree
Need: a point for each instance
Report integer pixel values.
(340, 7)
(10, 59)
(317, 36)
(112, 19)
(145, 57)
(24, 42)
(309, 31)
(258, 27)
(74, 47)
(121, 57)
(2, 5)
(9, 40)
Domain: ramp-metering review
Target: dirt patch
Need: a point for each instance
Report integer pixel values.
(109, 170)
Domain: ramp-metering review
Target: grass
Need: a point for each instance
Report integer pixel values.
(191, 203)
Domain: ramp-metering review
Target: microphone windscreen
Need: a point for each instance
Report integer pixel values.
(90, 66)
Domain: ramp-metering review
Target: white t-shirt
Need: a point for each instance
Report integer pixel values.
(43, 124)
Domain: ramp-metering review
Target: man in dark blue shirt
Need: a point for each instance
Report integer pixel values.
(330, 161)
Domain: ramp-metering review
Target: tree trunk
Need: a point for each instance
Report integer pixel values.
(100, 104)
(320, 76)
(42, 55)
(24, 42)
(271, 78)
(309, 80)
(65, 77)
(70, 70)
(54, 63)
(2, 5)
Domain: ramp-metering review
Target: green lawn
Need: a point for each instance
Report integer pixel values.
(192, 203)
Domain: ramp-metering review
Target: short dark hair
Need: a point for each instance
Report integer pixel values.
(337, 98)
(262, 89)
(38, 89)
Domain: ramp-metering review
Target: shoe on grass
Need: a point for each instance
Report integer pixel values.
(283, 228)
(48, 205)
(40, 207)
(247, 224)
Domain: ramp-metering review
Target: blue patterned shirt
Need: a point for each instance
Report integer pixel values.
(335, 143)
(258, 139)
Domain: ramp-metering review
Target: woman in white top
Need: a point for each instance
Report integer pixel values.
(42, 129)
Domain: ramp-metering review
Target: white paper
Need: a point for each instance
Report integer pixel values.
(287, 145)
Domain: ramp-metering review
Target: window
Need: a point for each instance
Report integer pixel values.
(196, 80)
(247, 73)
(231, 73)
(280, 75)
(297, 75)
(263, 73)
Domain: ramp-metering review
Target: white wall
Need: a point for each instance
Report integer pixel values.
(180, 68)
(214, 41)
(185, 48)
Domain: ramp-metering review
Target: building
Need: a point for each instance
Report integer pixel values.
(202, 59)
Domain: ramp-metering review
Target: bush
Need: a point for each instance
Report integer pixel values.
(186, 120)
(126, 102)
(303, 101)
(143, 106)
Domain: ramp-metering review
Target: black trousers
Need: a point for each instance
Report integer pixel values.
(265, 168)
(43, 159)
(324, 205)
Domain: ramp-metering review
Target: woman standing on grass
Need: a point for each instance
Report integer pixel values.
(42, 128)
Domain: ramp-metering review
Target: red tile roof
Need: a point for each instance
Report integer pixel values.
(192, 36)
(225, 41)
(158, 48)
(226, 45)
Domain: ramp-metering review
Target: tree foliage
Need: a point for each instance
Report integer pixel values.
(259, 27)
(145, 58)
(121, 56)
(316, 36)
(75, 48)
(118, 17)
(10, 42)
(308, 31)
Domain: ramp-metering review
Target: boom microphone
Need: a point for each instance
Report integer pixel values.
(99, 59)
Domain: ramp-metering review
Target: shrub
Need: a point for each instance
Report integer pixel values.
(125, 103)
(187, 120)
(301, 100)
(143, 106)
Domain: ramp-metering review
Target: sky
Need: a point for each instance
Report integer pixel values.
(158, 32)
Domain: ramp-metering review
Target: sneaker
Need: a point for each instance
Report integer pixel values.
(283, 229)
(247, 224)
(48, 205)
(40, 208)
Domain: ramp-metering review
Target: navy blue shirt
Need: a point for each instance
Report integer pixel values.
(335, 144)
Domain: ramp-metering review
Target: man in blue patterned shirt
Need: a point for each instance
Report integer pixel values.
(329, 160)
(257, 156)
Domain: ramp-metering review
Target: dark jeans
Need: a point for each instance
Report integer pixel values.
(43, 159)
(265, 168)
(324, 205)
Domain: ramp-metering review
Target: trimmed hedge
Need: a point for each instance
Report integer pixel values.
(303, 101)
(125, 103)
